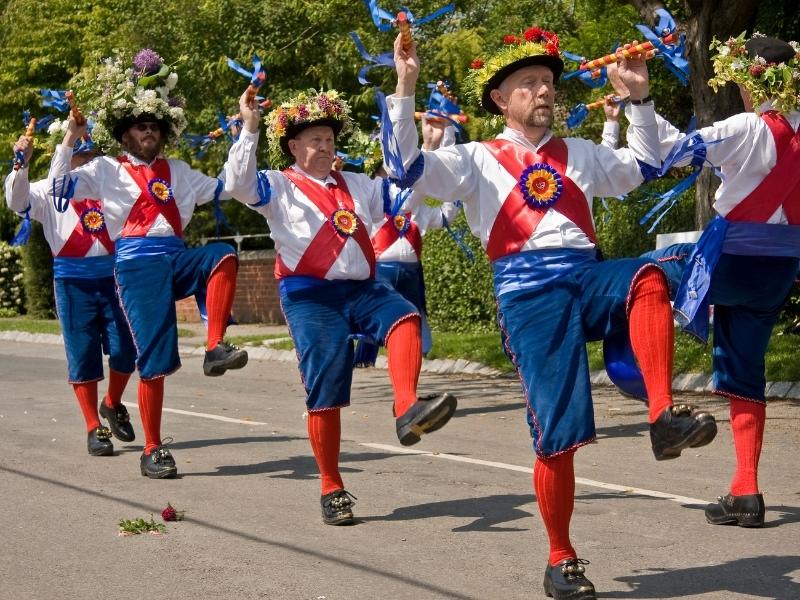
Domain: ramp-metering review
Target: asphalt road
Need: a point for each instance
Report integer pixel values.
(453, 518)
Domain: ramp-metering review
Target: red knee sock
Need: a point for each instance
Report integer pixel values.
(116, 386)
(747, 422)
(404, 355)
(151, 399)
(87, 400)
(554, 484)
(653, 337)
(324, 433)
(221, 287)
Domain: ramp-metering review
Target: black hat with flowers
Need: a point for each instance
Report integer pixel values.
(535, 46)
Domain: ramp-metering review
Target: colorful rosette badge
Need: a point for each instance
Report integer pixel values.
(541, 185)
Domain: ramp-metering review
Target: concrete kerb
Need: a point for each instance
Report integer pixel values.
(686, 382)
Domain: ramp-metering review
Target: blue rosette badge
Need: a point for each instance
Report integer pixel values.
(541, 185)
(160, 190)
(93, 220)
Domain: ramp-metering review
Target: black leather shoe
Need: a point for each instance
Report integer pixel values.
(337, 508)
(426, 415)
(119, 421)
(744, 511)
(159, 464)
(566, 581)
(98, 442)
(224, 356)
(681, 426)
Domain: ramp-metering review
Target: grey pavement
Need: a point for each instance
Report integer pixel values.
(453, 517)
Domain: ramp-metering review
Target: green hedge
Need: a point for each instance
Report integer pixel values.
(11, 287)
(37, 261)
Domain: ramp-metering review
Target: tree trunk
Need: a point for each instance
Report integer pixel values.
(704, 20)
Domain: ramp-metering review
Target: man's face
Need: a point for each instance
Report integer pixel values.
(314, 150)
(527, 96)
(143, 140)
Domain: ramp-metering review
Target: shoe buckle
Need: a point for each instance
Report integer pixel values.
(103, 433)
(574, 568)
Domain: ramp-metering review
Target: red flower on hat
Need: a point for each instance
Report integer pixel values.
(757, 70)
(476, 64)
(510, 39)
(533, 34)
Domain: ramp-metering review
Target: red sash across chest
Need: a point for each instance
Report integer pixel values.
(391, 231)
(517, 220)
(147, 207)
(89, 229)
(328, 242)
(781, 187)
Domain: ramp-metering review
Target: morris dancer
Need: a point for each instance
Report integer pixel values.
(148, 201)
(746, 261)
(320, 222)
(86, 298)
(528, 194)
(397, 241)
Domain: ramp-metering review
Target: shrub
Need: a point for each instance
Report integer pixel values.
(37, 262)
(11, 287)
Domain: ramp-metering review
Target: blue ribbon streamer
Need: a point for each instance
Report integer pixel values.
(55, 99)
(256, 76)
(24, 234)
(674, 55)
(384, 20)
(391, 147)
(458, 237)
(264, 190)
(377, 60)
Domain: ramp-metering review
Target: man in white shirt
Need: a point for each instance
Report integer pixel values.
(527, 195)
(320, 220)
(148, 200)
(746, 261)
(86, 298)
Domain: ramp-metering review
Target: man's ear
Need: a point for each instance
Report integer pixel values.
(499, 99)
(292, 144)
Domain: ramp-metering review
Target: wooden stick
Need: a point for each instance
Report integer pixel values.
(461, 117)
(76, 113)
(405, 30)
(647, 56)
(631, 52)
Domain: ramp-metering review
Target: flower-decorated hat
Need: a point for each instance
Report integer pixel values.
(768, 68)
(534, 46)
(118, 96)
(307, 109)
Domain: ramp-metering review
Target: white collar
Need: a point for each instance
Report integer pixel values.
(513, 135)
(137, 162)
(328, 179)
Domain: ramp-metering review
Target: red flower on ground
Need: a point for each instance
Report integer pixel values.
(170, 514)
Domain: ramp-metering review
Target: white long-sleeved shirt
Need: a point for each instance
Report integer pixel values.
(469, 172)
(106, 178)
(58, 227)
(293, 218)
(743, 149)
(426, 218)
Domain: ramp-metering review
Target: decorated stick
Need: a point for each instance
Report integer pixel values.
(74, 111)
(627, 52)
(19, 157)
(596, 73)
(602, 102)
(460, 117)
(405, 30)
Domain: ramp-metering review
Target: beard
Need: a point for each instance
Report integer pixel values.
(539, 118)
(145, 152)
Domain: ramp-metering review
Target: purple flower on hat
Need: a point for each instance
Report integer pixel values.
(176, 101)
(302, 111)
(147, 62)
